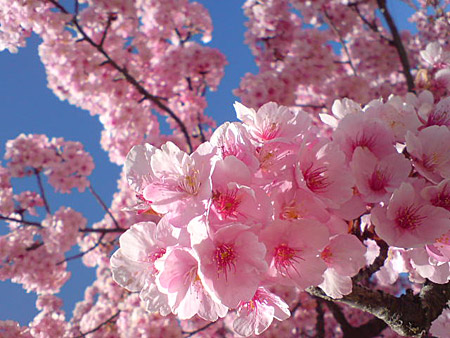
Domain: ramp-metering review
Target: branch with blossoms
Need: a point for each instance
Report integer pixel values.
(106, 322)
(122, 69)
(341, 40)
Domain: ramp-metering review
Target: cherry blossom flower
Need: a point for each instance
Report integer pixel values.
(293, 251)
(376, 179)
(178, 278)
(273, 122)
(180, 180)
(407, 221)
(231, 264)
(430, 151)
(256, 315)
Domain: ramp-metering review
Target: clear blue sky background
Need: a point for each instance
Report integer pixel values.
(28, 106)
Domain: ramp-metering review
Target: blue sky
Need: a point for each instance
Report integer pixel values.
(28, 106)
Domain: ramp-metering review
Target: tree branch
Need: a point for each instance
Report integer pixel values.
(370, 329)
(190, 334)
(24, 222)
(372, 25)
(341, 40)
(408, 315)
(398, 44)
(320, 322)
(102, 231)
(124, 72)
(41, 190)
(109, 320)
(81, 254)
(366, 273)
(100, 201)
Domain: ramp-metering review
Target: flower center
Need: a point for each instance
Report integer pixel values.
(189, 183)
(270, 131)
(378, 180)
(316, 180)
(226, 204)
(291, 211)
(364, 141)
(431, 162)
(225, 259)
(442, 199)
(285, 257)
(409, 218)
(326, 255)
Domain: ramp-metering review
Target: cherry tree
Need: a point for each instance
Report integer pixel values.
(325, 211)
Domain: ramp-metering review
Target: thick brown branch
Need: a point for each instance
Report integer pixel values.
(371, 329)
(407, 315)
(124, 72)
(398, 44)
(320, 322)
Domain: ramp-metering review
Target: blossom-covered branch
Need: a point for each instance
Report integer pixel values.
(123, 70)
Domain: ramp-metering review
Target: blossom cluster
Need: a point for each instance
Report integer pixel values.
(66, 163)
(267, 202)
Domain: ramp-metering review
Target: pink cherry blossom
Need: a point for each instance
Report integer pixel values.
(272, 122)
(376, 179)
(178, 278)
(231, 264)
(292, 251)
(358, 130)
(430, 151)
(256, 315)
(407, 221)
(441, 326)
(344, 256)
(179, 180)
(322, 170)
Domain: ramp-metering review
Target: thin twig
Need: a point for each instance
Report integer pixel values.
(341, 40)
(102, 231)
(398, 44)
(34, 246)
(81, 254)
(41, 189)
(77, 7)
(22, 221)
(372, 25)
(99, 326)
(100, 201)
(318, 106)
(123, 70)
